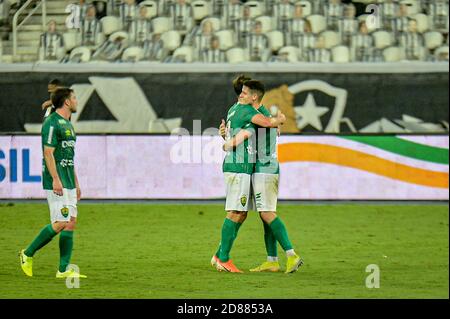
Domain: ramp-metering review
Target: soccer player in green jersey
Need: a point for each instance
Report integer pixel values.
(60, 183)
(238, 166)
(265, 181)
(265, 184)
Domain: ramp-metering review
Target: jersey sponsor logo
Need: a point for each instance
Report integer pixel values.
(66, 144)
(66, 162)
(65, 211)
(243, 200)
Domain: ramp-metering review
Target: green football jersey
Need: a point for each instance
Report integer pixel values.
(242, 158)
(58, 132)
(266, 143)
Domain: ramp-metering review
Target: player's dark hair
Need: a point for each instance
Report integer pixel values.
(55, 82)
(238, 83)
(60, 96)
(256, 87)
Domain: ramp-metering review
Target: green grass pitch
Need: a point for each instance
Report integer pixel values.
(164, 251)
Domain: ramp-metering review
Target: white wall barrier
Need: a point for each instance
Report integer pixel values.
(189, 167)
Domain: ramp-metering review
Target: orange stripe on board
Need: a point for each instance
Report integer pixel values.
(312, 152)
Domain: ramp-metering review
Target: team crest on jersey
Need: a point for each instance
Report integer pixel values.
(68, 132)
(243, 200)
(65, 211)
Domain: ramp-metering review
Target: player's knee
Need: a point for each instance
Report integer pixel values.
(70, 226)
(59, 226)
(268, 217)
(234, 216)
(243, 217)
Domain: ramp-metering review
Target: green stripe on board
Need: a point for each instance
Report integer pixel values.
(406, 148)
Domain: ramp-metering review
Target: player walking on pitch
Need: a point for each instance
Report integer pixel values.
(238, 166)
(60, 182)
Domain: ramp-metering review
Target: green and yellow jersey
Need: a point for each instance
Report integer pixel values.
(242, 158)
(58, 132)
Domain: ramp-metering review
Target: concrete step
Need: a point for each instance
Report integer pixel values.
(49, 11)
(6, 58)
(27, 50)
(24, 58)
(31, 27)
(27, 43)
(52, 4)
(28, 35)
(36, 19)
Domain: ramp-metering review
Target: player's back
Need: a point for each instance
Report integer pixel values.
(266, 147)
(242, 158)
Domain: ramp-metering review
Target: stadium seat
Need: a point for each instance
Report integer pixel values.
(132, 54)
(256, 8)
(291, 52)
(121, 34)
(340, 54)
(161, 25)
(171, 40)
(266, 22)
(152, 8)
(393, 54)
(382, 39)
(276, 40)
(441, 50)
(422, 22)
(331, 38)
(413, 6)
(110, 24)
(306, 6)
(83, 54)
(235, 55)
(215, 22)
(71, 39)
(370, 23)
(187, 52)
(200, 9)
(318, 23)
(433, 39)
(226, 39)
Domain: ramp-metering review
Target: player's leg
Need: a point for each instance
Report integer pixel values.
(270, 242)
(237, 200)
(266, 194)
(280, 232)
(66, 236)
(265, 189)
(46, 234)
(240, 220)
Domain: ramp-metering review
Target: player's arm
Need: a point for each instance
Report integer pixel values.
(265, 121)
(77, 185)
(46, 104)
(51, 166)
(236, 140)
(222, 129)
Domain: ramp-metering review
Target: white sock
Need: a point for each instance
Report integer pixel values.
(272, 259)
(290, 252)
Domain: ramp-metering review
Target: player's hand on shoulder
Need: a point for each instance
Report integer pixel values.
(46, 104)
(222, 129)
